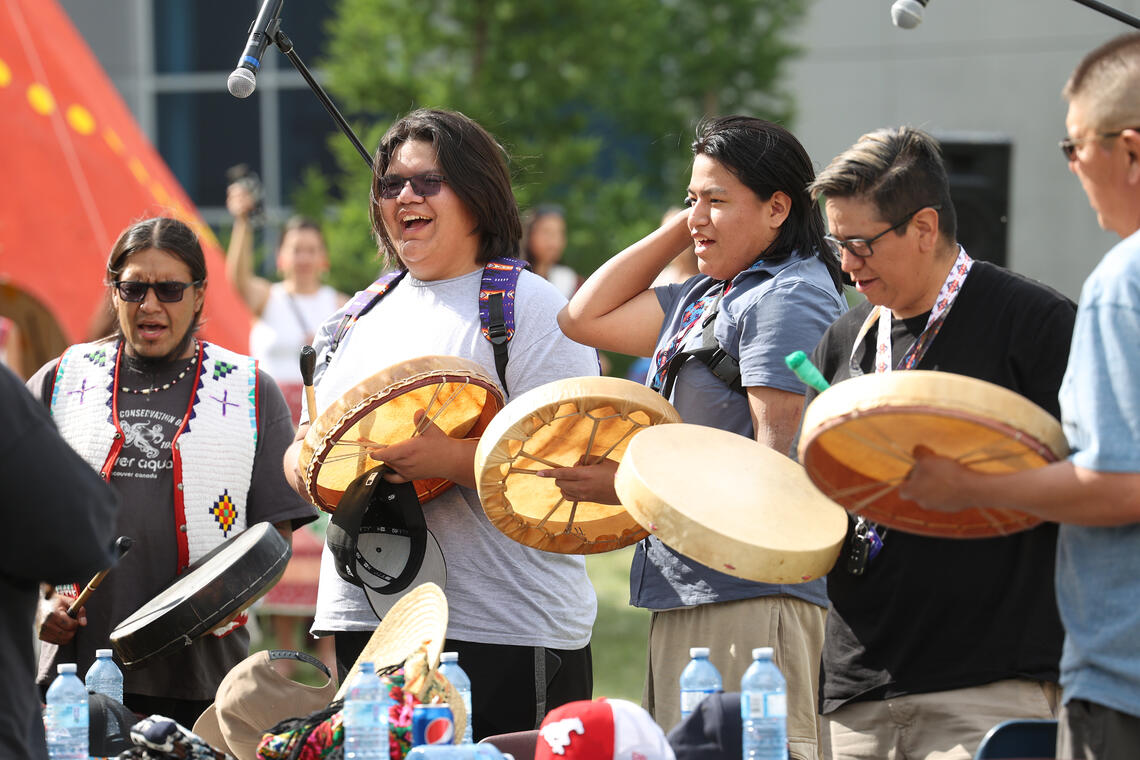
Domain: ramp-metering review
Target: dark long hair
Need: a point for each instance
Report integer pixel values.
(167, 235)
(530, 219)
(170, 236)
(765, 157)
(475, 167)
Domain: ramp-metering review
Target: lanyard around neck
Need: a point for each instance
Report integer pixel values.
(881, 316)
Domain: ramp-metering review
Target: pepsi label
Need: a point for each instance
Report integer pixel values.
(432, 724)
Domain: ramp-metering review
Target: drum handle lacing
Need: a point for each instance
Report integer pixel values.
(634, 425)
(421, 426)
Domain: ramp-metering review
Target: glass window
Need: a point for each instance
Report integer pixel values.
(304, 22)
(201, 35)
(204, 133)
(305, 131)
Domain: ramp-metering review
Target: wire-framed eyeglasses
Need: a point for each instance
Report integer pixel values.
(861, 247)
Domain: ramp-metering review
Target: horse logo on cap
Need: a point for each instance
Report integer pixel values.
(557, 734)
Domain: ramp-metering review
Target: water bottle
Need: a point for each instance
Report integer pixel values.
(764, 709)
(449, 668)
(457, 752)
(699, 679)
(66, 719)
(366, 717)
(104, 676)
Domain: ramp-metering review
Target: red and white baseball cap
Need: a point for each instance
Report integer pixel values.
(599, 730)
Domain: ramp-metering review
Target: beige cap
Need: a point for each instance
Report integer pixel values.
(254, 697)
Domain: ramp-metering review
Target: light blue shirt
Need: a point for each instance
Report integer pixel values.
(771, 310)
(1098, 568)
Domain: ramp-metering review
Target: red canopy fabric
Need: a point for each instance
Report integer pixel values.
(77, 170)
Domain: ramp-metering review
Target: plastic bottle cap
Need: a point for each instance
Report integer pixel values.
(367, 667)
(699, 652)
(449, 657)
(66, 667)
(765, 652)
(103, 653)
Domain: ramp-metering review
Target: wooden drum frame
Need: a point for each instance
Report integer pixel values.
(858, 439)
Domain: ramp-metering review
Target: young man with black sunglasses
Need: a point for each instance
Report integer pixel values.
(190, 435)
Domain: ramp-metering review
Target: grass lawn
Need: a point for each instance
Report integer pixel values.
(620, 632)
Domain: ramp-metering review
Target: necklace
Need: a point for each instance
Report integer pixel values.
(166, 386)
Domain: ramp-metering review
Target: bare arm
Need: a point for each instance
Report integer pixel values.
(1059, 492)
(775, 416)
(615, 309)
(239, 256)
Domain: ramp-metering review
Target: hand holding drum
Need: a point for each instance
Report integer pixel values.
(581, 420)
(455, 394)
(860, 436)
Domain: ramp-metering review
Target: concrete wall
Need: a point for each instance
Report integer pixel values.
(989, 66)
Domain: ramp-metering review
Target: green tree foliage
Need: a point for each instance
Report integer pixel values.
(595, 100)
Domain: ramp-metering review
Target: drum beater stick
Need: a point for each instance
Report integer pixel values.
(308, 366)
(122, 546)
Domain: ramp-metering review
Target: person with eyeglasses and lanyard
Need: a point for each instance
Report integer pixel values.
(191, 437)
(932, 641)
(1095, 492)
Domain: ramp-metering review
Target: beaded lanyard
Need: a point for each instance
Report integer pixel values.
(868, 537)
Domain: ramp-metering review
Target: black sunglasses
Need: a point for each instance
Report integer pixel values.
(424, 185)
(1069, 145)
(168, 291)
(861, 247)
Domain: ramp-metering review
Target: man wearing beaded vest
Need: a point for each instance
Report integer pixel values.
(191, 437)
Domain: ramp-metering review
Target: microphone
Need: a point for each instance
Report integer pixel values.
(907, 14)
(243, 80)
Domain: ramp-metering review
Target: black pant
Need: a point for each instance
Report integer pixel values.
(184, 711)
(1090, 731)
(512, 687)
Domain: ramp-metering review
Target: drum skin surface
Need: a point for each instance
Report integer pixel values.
(858, 439)
(380, 410)
(555, 425)
(730, 503)
(209, 594)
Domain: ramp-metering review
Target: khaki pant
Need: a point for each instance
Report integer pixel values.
(792, 627)
(941, 725)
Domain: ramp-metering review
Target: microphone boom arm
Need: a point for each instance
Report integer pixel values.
(1111, 12)
(285, 45)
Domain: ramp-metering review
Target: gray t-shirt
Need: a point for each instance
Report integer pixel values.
(498, 591)
(144, 478)
(769, 311)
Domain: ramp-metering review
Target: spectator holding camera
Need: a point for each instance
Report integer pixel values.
(290, 311)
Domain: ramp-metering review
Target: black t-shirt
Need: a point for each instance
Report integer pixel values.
(58, 518)
(143, 476)
(932, 614)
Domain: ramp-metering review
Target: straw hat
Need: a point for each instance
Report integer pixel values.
(418, 620)
(411, 635)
